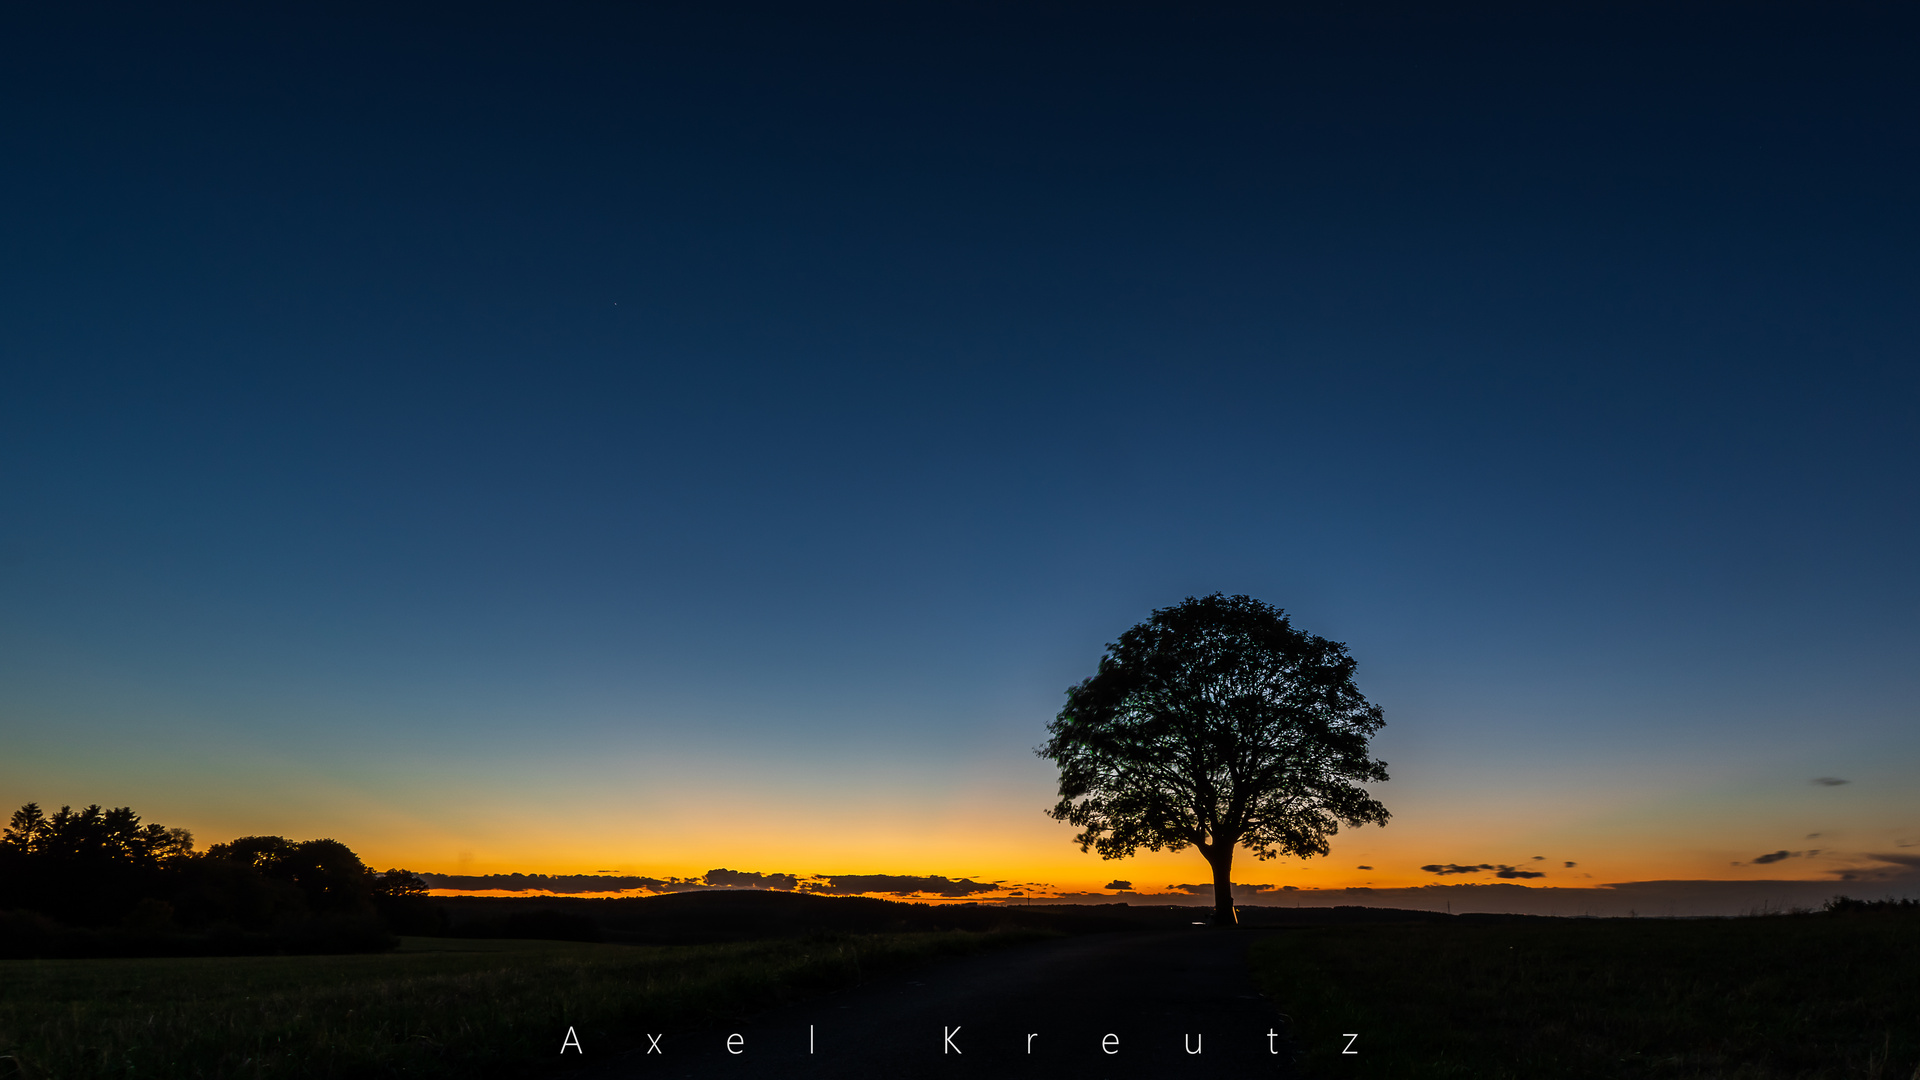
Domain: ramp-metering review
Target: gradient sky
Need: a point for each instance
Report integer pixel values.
(559, 438)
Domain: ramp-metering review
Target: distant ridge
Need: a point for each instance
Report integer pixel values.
(556, 883)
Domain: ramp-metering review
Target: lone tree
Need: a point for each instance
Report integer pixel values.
(1215, 723)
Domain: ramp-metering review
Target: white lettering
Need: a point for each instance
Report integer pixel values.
(1271, 1035)
(947, 1038)
(1109, 1043)
(653, 1045)
(1030, 1039)
(809, 1038)
(1349, 1036)
(573, 1041)
(734, 1042)
(1195, 1048)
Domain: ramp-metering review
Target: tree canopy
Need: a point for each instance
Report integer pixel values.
(106, 869)
(1216, 724)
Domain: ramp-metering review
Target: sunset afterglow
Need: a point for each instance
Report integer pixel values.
(573, 451)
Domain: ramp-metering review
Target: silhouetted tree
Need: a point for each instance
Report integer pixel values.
(1216, 724)
(399, 885)
(260, 853)
(105, 881)
(87, 867)
(401, 898)
(211, 891)
(330, 877)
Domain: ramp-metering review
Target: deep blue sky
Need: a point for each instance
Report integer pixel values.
(406, 414)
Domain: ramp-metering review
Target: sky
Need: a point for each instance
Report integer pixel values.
(594, 438)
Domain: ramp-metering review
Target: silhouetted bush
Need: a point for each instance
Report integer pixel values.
(338, 934)
(543, 925)
(27, 934)
(400, 896)
(1847, 905)
(414, 916)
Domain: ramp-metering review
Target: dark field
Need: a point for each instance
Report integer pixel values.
(1808, 996)
(438, 1007)
(1804, 996)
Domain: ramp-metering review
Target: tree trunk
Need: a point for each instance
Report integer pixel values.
(1222, 860)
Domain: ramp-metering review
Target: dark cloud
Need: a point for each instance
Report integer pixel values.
(722, 878)
(554, 883)
(1892, 869)
(896, 885)
(741, 879)
(1828, 781)
(1116, 883)
(1539, 858)
(1500, 870)
(1762, 860)
(1571, 865)
(1239, 888)
(1363, 868)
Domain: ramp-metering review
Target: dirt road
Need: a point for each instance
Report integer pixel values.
(1160, 1004)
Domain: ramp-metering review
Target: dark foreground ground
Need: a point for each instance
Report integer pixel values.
(1806, 997)
(436, 1008)
(1142, 1004)
(1822, 996)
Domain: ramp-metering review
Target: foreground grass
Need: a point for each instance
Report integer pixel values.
(1807, 997)
(438, 1007)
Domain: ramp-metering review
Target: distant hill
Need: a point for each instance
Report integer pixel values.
(743, 914)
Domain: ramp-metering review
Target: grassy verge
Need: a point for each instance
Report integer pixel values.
(1807, 997)
(438, 1007)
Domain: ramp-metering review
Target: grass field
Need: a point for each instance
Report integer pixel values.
(438, 1007)
(1811, 997)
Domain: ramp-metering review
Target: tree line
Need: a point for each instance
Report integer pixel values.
(102, 881)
